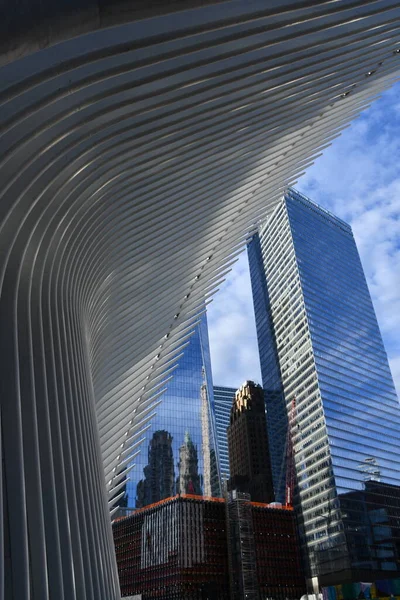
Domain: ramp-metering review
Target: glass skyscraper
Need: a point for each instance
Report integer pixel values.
(179, 454)
(223, 400)
(319, 342)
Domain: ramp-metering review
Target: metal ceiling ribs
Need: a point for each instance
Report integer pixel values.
(140, 145)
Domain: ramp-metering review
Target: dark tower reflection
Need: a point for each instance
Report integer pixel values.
(158, 482)
(187, 405)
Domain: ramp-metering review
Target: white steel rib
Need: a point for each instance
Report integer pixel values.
(141, 144)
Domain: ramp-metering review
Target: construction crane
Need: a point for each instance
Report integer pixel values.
(290, 463)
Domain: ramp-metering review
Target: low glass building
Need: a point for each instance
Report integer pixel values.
(179, 454)
(320, 343)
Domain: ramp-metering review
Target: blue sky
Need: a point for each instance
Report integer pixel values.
(358, 179)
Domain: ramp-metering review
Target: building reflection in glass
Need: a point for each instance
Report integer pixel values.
(179, 451)
(188, 481)
(159, 480)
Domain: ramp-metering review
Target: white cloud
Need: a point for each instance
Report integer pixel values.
(358, 179)
(233, 339)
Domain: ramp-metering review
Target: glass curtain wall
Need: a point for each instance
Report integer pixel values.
(277, 419)
(179, 454)
(320, 343)
(223, 400)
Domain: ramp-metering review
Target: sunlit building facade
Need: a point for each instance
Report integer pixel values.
(179, 454)
(249, 462)
(320, 342)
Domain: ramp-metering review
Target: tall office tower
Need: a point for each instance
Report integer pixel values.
(179, 452)
(249, 462)
(223, 400)
(320, 342)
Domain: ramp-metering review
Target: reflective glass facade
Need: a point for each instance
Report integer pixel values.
(319, 341)
(179, 453)
(223, 400)
(270, 371)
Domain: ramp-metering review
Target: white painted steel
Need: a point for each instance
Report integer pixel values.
(135, 161)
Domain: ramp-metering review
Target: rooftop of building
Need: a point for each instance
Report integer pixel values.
(314, 204)
(294, 194)
(224, 388)
(201, 499)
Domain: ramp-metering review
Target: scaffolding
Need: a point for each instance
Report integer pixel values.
(241, 549)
